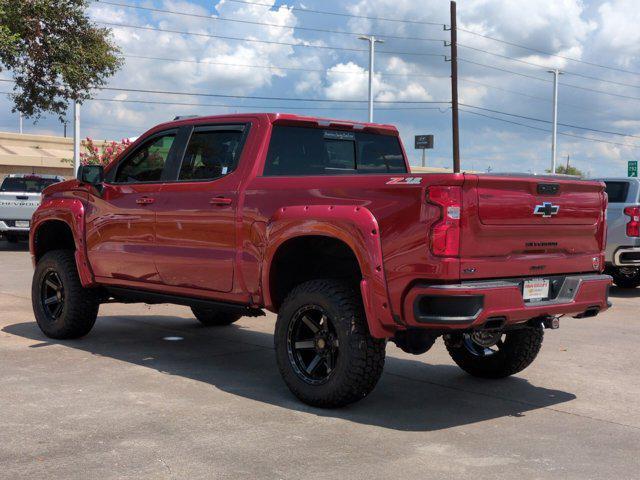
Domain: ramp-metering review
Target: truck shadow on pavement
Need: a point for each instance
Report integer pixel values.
(411, 395)
(21, 246)
(617, 292)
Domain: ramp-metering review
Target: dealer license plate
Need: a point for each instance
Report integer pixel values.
(535, 290)
(22, 223)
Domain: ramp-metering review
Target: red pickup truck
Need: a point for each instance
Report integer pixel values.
(322, 222)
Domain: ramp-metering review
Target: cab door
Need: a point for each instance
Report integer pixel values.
(120, 220)
(196, 213)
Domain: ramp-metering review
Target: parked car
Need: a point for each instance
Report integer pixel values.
(321, 222)
(623, 231)
(19, 197)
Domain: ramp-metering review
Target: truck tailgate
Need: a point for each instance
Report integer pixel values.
(530, 226)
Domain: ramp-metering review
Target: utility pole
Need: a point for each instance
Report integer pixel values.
(554, 133)
(76, 137)
(20, 122)
(372, 42)
(454, 89)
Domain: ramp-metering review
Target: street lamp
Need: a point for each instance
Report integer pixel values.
(372, 42)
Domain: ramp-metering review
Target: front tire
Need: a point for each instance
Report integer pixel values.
(325, 353)
(511, 353)
(63, 308)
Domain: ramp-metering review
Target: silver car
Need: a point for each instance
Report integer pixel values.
(19, 197)
(623, 231)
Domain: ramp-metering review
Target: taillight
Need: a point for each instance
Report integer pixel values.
(633, 225)
(445, 233)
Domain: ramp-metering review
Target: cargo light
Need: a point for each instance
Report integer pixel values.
(445, 233)
(633, 225)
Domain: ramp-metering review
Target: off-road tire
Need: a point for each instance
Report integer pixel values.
(360, 359)
(625, 281)
(519, 350)
(79, 306)
(212, 317)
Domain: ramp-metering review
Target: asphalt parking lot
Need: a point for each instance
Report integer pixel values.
(152, 394)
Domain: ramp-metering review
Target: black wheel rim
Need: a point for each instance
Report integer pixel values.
(52, 295)
(483, 344)
(312, 345)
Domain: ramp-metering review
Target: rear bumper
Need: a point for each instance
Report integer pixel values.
(471, 304)
(627, 257)
(7, 228)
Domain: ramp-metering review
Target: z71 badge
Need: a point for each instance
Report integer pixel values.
(405, 181)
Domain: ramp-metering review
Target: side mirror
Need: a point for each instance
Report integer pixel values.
(91, 174)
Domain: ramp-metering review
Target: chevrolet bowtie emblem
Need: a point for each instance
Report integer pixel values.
(547, 209)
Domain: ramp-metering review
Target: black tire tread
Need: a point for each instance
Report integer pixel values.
(623, 281)
(366, 354)
(521, 348)
(80, 312)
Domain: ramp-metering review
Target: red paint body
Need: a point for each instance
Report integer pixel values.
(180, 242)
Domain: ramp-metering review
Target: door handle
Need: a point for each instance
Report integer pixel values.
(220, 201)
(145, 200)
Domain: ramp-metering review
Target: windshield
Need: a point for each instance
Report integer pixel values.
(26, 184)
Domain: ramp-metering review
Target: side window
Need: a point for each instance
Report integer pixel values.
(314, 151)
(211, 154)
(379, 154)
(146, 163)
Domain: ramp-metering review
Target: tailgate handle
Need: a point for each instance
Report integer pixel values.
(548, 188)
(22, 197)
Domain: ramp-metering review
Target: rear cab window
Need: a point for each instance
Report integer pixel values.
(26, 184)
(617, 191)
(318, 151)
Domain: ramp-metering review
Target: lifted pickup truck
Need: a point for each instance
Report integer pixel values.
(19, 198)
(321, 222)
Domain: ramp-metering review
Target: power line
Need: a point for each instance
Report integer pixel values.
(543, 52)
(570, 85)
(272, 42)
(515, 92)
(548, 121)
(255, 97)
(519, 60)
(273, 107)
(275, 67)
(549, 131)
(250, 22)
(339, 14)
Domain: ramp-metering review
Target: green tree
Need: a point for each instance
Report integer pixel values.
(570, 170)
(54, 52)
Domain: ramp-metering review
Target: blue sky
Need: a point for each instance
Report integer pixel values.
(598, 32)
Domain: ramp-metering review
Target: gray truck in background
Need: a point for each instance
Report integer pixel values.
(623, 231)
(19, 197)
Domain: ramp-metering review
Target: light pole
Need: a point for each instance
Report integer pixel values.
(554, 133)
(372, 42)
(20, 121)
(76, 137)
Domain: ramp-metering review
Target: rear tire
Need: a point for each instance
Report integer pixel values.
(509, 356)
(212, 317)
(626, 277)
(63, 308)
(325, 353)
